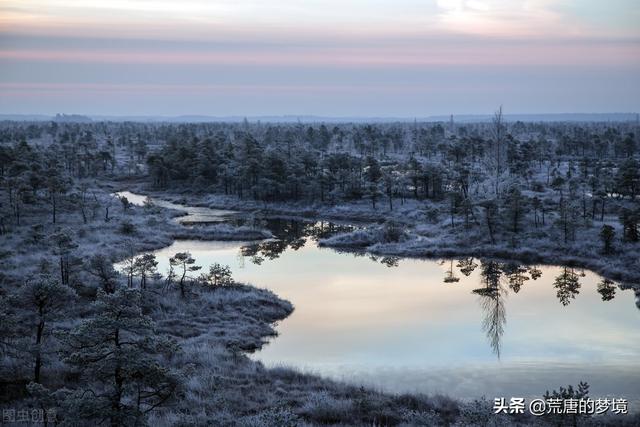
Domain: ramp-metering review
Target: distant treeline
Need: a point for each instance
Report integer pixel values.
(288, 162)
(510, 171)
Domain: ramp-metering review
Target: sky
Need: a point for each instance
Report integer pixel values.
(338, 58)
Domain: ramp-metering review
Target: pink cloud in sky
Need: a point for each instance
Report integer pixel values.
(16, 89)
(541, 54)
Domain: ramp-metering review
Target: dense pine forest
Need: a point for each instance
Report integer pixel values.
(399, 161)
(514, 171)
(500, 178)
(92, 332)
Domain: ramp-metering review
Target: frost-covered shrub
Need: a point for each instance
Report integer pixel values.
(478, 413)
(127, 227)
(326, 409)
(148, 203)
(393, 232)
(282, 417)
(421, 418)
(356, 238)
(538, 187)
(36, 234)
(431, 214)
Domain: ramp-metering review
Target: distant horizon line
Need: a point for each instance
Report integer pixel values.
(463, 117)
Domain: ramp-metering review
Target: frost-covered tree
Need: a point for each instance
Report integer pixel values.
(43, 299)
(80, 198)
(122, 362)
(218, 275)
(373, 173)
(607, 234)
(563, 394)
(630, 220)
(628, 178)
(515, 204)
(63, 246)
(9, 330)
(498, 133)
(57, 185)
(184, 262)
(126, 204)
(100, 266)
(567, 219)
(129, 263)
(491, 218)
(537, 205)
(390, 184)
(145, 266)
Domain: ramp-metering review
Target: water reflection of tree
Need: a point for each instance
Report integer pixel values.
(492, 303)
(289, 234)
(567, 285)
(449, 277)
(390, 261)
(294, 234)
(466, 266)
(516, 275)
(607, 289)
(492, 292)
(495, 274)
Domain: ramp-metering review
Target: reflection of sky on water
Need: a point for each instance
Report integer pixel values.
(194, 213)
(404, 329)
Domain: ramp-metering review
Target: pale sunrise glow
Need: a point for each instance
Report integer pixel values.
(566, 50)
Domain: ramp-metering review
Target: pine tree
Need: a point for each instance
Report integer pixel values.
(219, 275)
(120, 358)
(630, 220)
(373, 173)
(64, 246)
(145, 266)
(43, 299)
(184, 261)
(101, 267)
(607, 234)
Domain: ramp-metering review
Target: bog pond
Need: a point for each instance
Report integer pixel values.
(463, 327)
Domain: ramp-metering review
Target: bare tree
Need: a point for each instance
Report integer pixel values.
(498, 132)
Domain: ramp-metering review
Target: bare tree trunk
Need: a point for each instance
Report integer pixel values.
(184, 274)
(38, 363)
(53, 207)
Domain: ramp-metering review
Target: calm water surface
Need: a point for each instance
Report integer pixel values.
(194, 214)
(465, 327)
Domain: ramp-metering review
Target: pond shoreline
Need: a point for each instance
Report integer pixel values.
(303, 386)
(421, 243)
(338, 390)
